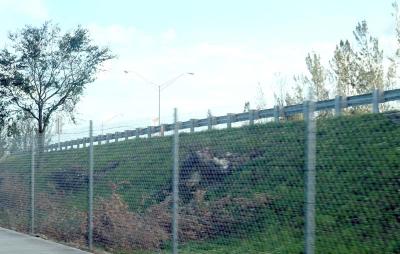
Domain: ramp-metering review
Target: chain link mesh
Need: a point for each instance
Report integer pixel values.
(241, 190)
(15, 183)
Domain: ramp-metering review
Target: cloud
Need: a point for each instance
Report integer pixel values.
(226, 75)
(33, 8)
(169, 35)
(119, 35)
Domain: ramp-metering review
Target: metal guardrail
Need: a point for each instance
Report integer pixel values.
(338, 103)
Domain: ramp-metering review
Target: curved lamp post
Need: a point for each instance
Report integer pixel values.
(160, 87)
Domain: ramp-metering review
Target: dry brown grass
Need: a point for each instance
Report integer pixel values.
(118, 228)
(14, 202)
(201, 219)
(66, 224)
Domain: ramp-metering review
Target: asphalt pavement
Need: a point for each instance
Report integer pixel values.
(12, 242)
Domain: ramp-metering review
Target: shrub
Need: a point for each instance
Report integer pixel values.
(201, 219)
(14, 202)
(66, 224)
(116, 227)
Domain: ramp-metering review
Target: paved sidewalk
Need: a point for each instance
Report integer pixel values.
(12, 242)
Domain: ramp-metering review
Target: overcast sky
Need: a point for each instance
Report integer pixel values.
(231, 46)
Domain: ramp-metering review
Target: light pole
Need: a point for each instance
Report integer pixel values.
(159, 87)
(108, 120)
(59, 130)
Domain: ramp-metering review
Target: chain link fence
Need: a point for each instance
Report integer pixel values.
(324, 184)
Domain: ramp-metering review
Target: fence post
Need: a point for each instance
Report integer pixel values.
(149, 130)
(276, 114)
(175, 189)
(229, 121)
(338, 105)
(310, 173)
(375, 100)
(210, 122)
(162, 130)
(192, 125)
(126, 135)
(33, 165)
(90, 196)
(137, 132)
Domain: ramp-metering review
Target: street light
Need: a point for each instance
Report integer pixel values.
(161, 87)
(108, 120)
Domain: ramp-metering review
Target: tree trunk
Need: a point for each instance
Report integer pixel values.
(41, 129)
(40, 140)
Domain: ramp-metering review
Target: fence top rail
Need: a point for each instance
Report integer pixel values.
(355, 100)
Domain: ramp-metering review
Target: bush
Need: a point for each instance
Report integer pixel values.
(116, 227)
(66, 224)
(201, 219)
(14, 202)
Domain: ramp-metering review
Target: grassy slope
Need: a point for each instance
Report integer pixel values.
(357, 182)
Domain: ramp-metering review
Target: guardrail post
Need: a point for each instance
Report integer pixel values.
(90, 191)
(149, 129)
(137, 132)
(338, 105)
(310, 175)
(251, 117)
(126, 135)
(175, 189)
(107, 138)
(276, 114)
(375, 100)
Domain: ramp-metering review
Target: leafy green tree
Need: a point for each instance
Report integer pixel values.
(343, 68)
(316, 80)
(318, 77)
(4, 124)
(391, 75)
(368, 58)
(44, 71)
(359, 68)
(246, 107)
